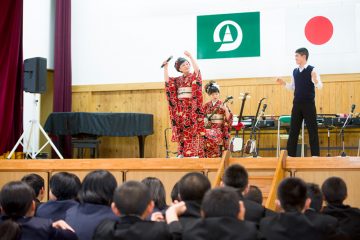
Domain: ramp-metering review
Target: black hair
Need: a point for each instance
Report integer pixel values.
(16, 199)
(303, 51)
(132, 198)
(221, 202)
(236, 176)
(254, 194)
(35, 181)
(211, 87)
(64, 185)
(292, 194)
(157, 191)
(178, 63)
(175, 193)
(98, 188)
(334, 190)
(315, 194)
(193, 186)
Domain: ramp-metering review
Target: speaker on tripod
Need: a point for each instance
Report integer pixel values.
(35, 74)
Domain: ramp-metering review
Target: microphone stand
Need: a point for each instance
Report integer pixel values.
(343, 154)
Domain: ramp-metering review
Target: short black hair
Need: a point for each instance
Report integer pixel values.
(193, 186)
(292, 194)
(303, 51)
(132, 198)
(35, 181)
(315, 194)
(98, 188)
(175, 192)
(254, 194)
(16, 198)
(157, 191)
(236, 176)
(221, 202)
(211, 87)
(64, 185)
(334, 190)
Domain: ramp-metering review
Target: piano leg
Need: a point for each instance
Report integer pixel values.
(141, 145)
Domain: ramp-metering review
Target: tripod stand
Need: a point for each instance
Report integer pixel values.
(347, 121)
(34, 124)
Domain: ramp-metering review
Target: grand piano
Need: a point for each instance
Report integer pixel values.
(97, 124)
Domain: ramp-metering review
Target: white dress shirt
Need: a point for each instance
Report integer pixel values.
(291, 85)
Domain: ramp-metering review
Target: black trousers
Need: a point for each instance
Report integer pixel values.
(300, 111)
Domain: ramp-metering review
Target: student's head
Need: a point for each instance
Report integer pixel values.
(292, 195)
(175, 193)
(222, 202)
(334, 190)
(98, 188)
(157, 191)
(182, 65)
(193, 186)
(213, 90)
(64, 186)
(301, 56)
(237, 177)
(37, 183)
(315, 195)
(132, 198)
(254, 194)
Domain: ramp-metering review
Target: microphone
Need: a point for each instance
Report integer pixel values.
(167, 60)
(352, 108)
(264, 107)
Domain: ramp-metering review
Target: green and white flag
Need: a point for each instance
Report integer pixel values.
(228, 35)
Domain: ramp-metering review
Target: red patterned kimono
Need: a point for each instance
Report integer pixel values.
(219, 132)
(184, 95)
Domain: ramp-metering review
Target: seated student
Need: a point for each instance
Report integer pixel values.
(319, 220)
(36, 182)
(132, 203)
(175, 193)
(18, 222)
(237, 177)
(254, 193)
(64, 188)
(335, 192)
(223, 218)
(291, 224)
(192, 188)
(95, 197)
(157, 192)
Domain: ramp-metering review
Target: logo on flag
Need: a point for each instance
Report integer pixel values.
(228, 35)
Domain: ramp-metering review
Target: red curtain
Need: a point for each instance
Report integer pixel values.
(62, 68)
(11, 73)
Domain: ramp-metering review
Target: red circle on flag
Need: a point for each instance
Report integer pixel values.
(319, 30)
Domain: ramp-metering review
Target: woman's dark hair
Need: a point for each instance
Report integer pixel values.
(98, 188)
(175, 193)
(211, 87)
(157, 191)
(35, 181)
(178, 63)
(64, 185)
(16, 199)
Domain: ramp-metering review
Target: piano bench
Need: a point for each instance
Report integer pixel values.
(82, 143)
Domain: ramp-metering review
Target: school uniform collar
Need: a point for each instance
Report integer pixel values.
(302, 68)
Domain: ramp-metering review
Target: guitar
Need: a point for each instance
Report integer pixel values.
(237, 143)
(250, 146)
(208, 118)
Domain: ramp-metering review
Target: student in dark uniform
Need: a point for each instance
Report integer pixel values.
(36, 182)
(192, 188)
(18, 221)
(304, 80)
(157, 192)
(237, 177)
(254, 193)
(313, 213)
(95, 197)
(64, 188)
(291, 224)
(335, 192)
(223, 218)
(132, 203)
(175, 193)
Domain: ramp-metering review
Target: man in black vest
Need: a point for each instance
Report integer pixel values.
(304, 81)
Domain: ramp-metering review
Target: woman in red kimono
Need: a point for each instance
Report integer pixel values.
(184, 94)
(219, 125)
